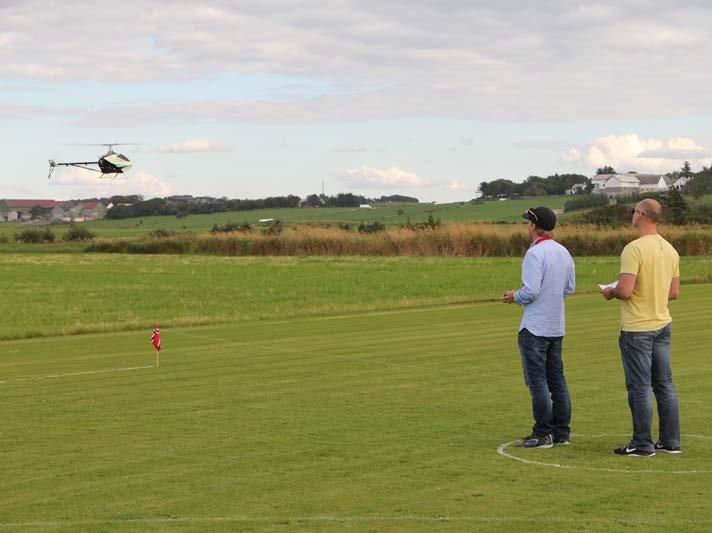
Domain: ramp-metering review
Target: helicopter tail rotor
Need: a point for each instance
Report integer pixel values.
(51, 168)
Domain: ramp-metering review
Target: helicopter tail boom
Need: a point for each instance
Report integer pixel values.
(78, 164)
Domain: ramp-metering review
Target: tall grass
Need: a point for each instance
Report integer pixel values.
(451, 240)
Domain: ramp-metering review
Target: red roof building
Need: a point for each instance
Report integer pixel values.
(29, 204)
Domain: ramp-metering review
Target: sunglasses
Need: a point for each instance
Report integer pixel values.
(634, 211)
(532, 213)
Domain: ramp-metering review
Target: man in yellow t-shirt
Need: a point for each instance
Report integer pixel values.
(649, 277)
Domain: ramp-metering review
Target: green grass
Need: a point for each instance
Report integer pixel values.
(493, 211)
(382, 421)
(51, 294)
(509, 211)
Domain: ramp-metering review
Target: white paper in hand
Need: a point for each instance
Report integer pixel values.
(609, 286)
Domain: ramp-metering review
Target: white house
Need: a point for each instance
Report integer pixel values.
(653, 183)
(681, 183)
(599, 182)
(621, 184)
(577, 188)
(630, 183)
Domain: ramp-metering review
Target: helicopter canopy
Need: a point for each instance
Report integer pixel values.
(120, 161)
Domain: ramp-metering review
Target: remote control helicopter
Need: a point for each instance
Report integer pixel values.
(110, 164)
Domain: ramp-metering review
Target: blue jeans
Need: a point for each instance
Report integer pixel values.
(646, 363)
(544, 375)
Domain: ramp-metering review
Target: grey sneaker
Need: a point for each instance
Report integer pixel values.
(660, 447)
(534, 441)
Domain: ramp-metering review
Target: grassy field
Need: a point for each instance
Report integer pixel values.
(50, 294)
(374, 421)
(509, 211)
(493, 211)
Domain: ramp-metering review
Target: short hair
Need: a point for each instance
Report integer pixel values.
(650, 208)
(541, 232)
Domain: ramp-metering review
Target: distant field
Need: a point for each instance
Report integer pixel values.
(493, 211)
(508, 211)
(375, 422)
(49, 294)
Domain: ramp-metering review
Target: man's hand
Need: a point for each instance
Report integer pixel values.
(508, 297)
(608, 293)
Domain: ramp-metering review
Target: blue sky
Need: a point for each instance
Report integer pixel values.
(246, 100)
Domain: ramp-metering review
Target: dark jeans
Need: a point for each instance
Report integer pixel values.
(646, 363)
(544, 375)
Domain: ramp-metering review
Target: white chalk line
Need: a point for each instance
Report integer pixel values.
(501, 450)
(86, 373)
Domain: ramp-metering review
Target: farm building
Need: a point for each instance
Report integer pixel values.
(19, 210)
(11, 210)
(630, 183)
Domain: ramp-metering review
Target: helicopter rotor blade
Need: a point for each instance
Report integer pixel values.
(105, 144)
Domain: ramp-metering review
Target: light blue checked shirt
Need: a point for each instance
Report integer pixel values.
(548, 276)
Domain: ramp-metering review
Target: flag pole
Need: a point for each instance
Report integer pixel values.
(156, 341)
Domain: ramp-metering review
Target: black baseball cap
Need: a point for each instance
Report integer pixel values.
(542, 217)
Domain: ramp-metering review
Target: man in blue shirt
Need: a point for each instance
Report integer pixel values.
(548, 275)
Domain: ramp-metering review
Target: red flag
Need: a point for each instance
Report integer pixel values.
(156, 338)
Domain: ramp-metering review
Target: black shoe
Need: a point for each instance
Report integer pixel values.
(633, 452)
(660, 447)
(534, 441)
(563, 441)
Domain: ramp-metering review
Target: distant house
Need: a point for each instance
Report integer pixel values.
(653, 183)
(599, 182)
(57, 213)
(577, 188)
(180, 198)
(72, 210)
(22, 209)
(681, 183)
(630, 183)
(619, 184)
(11, 210)
(92, 210)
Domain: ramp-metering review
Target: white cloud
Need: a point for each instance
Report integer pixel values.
(458, 186)
(194, 146)
(349, 149)
(631, 152)
(374, 178)
(9, 111)
(572, 156)
(80, 183)
(526, 61)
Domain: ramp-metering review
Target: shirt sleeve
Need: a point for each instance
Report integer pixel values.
(676, 267)
(570, 286)
(630, 260)
(532, 274)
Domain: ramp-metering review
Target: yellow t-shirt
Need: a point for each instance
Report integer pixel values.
(655, 263)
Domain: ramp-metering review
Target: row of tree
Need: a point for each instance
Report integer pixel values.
(676, 210)
(532, 186)
(137, 207)
(353, 200)
(698, 184)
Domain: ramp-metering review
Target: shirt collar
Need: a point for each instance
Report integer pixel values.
(541, 239)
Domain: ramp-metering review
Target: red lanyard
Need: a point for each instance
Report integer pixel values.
(542, 239)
